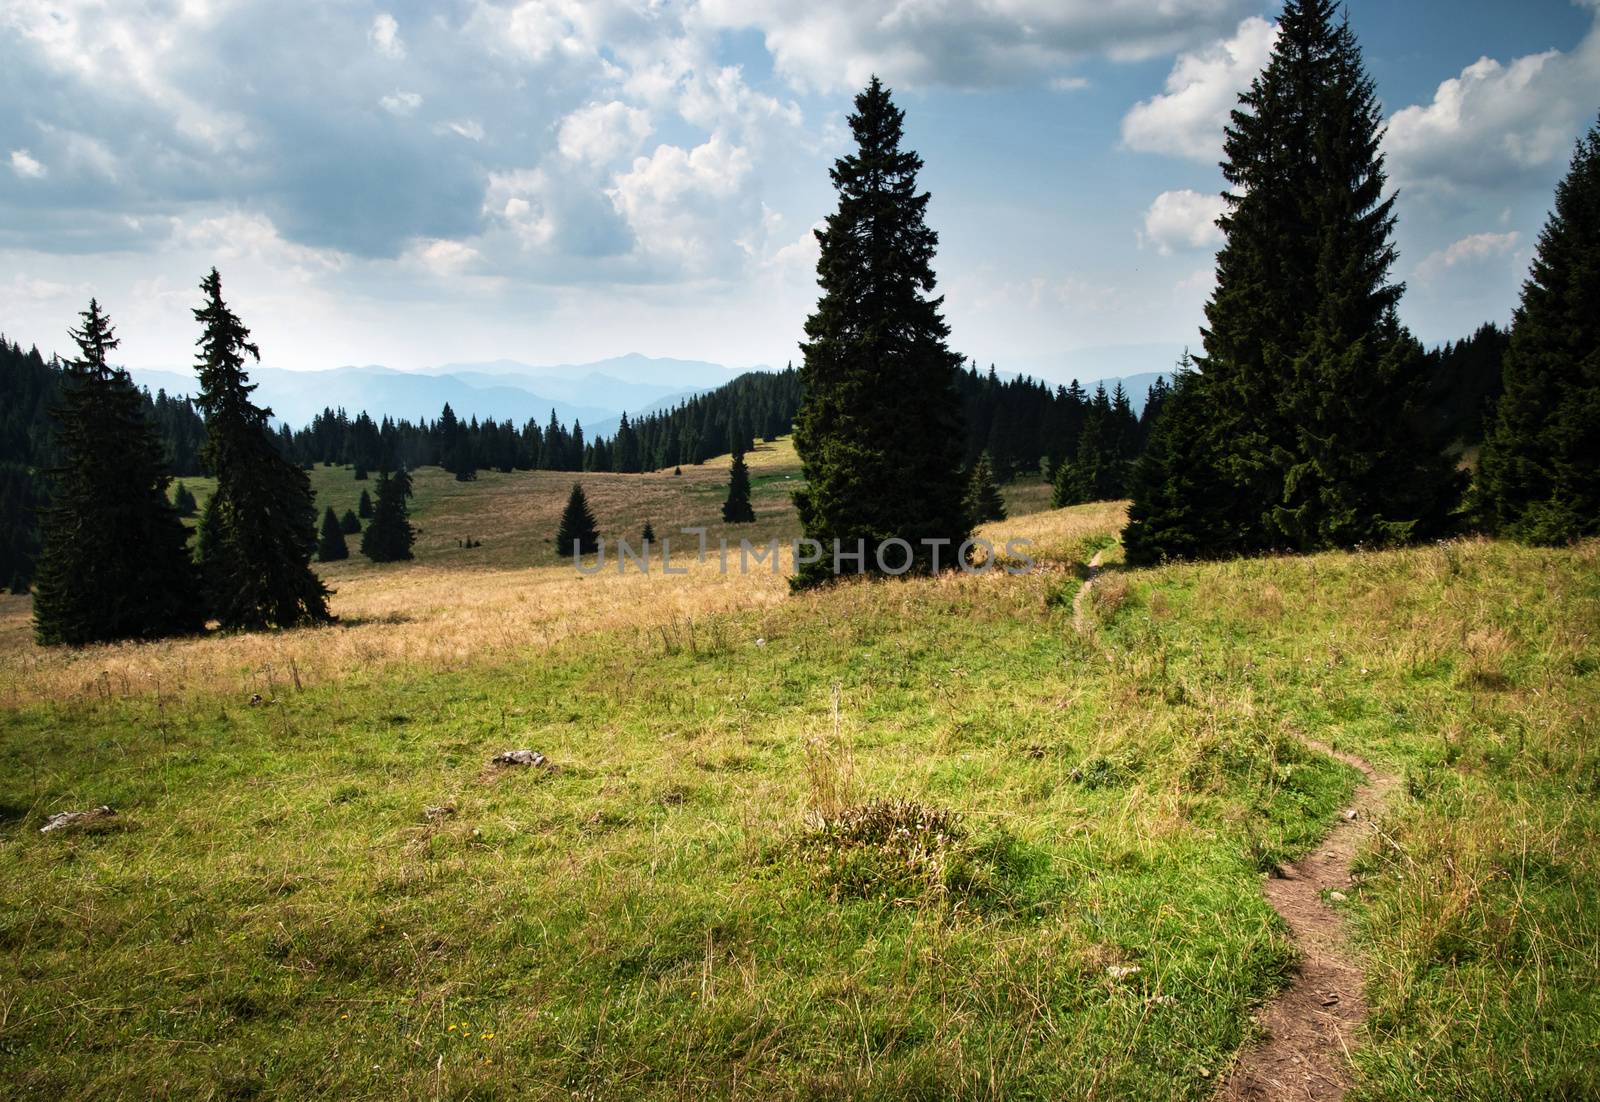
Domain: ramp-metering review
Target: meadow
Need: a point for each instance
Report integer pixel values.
(908, 839)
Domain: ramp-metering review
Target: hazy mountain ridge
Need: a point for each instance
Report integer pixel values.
(596, 394)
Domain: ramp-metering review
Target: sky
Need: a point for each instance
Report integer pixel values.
(412, 184)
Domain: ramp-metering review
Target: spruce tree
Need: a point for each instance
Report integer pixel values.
(183, 501)
(210, 553)
(364, 506)
(1098, 471)
(1309, 387)
(114, 562)
(577, 533)
(350, 524)
(983, 500)
(389, 535)
(880, 426)
(330, 544)
(1539, 478)
(1173, 514)
(648, 535)
(264, 501)
(737, 509)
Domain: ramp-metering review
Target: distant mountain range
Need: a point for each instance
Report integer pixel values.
(595, 393)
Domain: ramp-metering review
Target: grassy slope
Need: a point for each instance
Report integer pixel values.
(275, 914)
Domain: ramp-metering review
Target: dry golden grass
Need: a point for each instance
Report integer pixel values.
(455, 607)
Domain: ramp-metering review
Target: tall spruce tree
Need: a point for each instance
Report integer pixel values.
(263, 577)
(577, 533)
(1539, 479)
(330, 544)
(350, 524)
(983, 500)
(114, 562)
(389, 535)
(880, 431)
(1310, 388)
(183, 501)
(364, 506)
(737, 509)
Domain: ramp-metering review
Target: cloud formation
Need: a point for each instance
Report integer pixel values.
(1473, 249)
(1187, 120)
(1498, 125)
(835, 45)
(25, 166)
(1183, 219)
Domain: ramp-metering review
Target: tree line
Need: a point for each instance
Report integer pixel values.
(114, 556)
(1315, 419)
(1310, 419)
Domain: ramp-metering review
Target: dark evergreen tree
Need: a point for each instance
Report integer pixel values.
(1464, 385)
(210, 553)
(350, 524)
(879, 430)
(389, 535)
(361, 472)
(1098, 471)
(649, 533)
(114, 562)
(1539, 479)
(183, 501)
(1173, 515)
(268, 520)
(577, 533)
(1309, 388)
(330, 545)
(983, 500)
(364, 506)
(737, 509)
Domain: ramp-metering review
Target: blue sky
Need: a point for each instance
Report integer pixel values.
(563, 180)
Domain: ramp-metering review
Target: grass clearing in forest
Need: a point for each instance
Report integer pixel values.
(710, 894)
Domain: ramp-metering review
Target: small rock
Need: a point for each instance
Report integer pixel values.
(1122, 971)
(521, 757)
(761, 642)
(1205, 1073)
(63, 820)
(1350, 815)
(440, 812)
(1337, 897)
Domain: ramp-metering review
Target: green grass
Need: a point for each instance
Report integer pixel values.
(272, 914)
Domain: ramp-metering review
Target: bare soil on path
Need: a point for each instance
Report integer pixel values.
(1310, 1026)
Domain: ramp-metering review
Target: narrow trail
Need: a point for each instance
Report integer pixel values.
(1079, 623)
(1310, 1025)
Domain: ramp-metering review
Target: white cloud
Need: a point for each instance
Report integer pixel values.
(235, 234)
(24, 165)
(144, 45)
(401, 103)
(600, 133)
(683, 205)
(1183, 219)
(1474, 249)
(469, 129)
(834, 45)
(385, 35)
(442, 256)
(1202, 88)
(518, 201)
(1495, 123)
